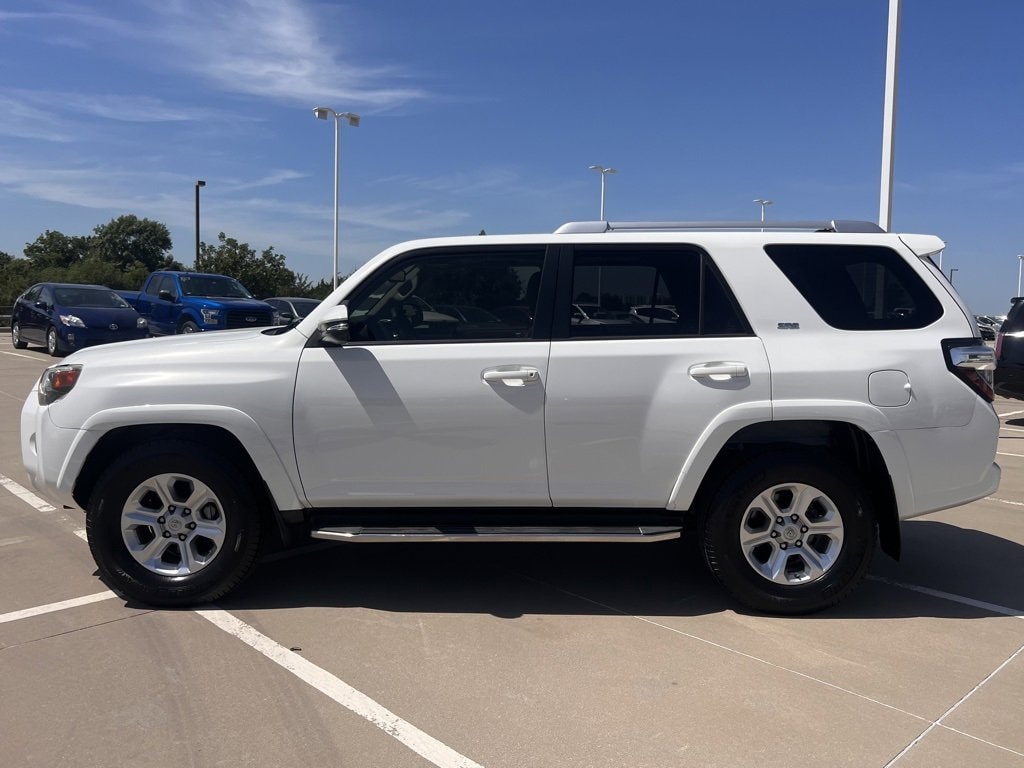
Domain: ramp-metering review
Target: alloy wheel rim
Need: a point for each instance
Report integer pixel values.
(51, 341)
(16, 333)
(791, 533)
(173, 525)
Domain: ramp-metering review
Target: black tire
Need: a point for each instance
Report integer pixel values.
(53, 342)
(736, 508)
(16, 339)
(188, 327)
(241, 519)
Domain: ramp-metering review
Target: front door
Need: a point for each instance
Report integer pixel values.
(425, 408)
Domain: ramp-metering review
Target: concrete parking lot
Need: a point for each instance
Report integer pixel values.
(511, 655)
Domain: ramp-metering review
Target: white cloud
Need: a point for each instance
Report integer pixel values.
(43, 106)
(270, 48)
(277, 49)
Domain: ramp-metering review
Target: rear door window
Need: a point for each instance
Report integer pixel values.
(858, 287)
(647, 291)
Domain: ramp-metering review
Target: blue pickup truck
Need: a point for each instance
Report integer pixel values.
(187, 302)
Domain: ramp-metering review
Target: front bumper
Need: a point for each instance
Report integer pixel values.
(79, 338)
(52, 455)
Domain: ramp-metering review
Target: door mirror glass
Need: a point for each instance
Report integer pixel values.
(334, 327)
(165, 295)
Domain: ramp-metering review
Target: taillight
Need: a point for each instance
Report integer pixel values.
(973, 363)
(57, 382)
(999, 345)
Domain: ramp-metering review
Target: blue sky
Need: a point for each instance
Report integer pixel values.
(480, 114)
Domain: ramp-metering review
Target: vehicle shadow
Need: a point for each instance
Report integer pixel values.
(663, 579)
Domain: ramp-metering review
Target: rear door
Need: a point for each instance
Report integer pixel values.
(631, 392)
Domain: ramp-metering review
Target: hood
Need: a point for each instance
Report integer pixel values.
(215, 302)
(188, 347)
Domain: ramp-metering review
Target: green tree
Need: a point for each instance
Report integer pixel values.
(128, 241)
(55, 250)
(264, 274)
(15, 277)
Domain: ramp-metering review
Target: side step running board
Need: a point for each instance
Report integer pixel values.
(500, 533)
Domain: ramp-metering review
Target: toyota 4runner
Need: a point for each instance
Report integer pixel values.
(812, 385)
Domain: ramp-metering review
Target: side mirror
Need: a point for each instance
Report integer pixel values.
(165, 296)
(286, 316)
(334, 327)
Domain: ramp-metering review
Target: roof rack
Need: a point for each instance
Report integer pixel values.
(835, 225)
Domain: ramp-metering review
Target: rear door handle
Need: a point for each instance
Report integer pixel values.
(719, 371)
(511, 375)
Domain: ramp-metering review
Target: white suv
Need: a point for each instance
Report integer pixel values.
(812, 385)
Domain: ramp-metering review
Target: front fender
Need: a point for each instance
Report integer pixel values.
(284, 489)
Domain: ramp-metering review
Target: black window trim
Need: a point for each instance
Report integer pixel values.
(561, 329)
(541, 330)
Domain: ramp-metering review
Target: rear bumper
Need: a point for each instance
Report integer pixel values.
(950, 466)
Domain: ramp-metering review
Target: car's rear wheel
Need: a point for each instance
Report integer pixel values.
(53, 342)
(173, 524)
(16, 339)
(790, 534)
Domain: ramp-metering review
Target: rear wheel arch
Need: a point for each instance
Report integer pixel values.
(842, 442)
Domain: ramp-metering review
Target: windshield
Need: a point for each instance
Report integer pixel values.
(213, 285)
(304, 306)
(89, 297)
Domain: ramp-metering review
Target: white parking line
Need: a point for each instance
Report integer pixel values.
(1005, 501)
(1003, 453)
(26, 495)
(994, 608)
(422, 744)
(15, 354)
(1011, 413)
(39, 610)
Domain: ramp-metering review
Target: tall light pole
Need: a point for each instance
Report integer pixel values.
(1020, 262)
(764, 204)
(604, 172)
(199, 183)
(322, 113)
(892, 56)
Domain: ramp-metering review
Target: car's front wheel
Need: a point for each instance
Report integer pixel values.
(16, 339)
(789, 534)
(188, 327)
(173, 524)
(53, 343)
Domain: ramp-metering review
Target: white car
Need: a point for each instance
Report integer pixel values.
(820, 383)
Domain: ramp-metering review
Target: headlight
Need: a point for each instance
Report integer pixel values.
(141, 323)
(57, 382)
(72, 320)
(211, 316)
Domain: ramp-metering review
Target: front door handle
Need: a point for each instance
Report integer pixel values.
(511, 375)
(719, 371)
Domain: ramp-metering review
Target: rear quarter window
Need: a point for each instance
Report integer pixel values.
(858, 287)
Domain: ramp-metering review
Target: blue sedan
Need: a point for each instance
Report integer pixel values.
(65, 317)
